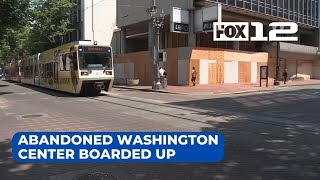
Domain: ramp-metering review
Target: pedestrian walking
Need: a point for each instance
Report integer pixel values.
(194, 76)
(285, 76)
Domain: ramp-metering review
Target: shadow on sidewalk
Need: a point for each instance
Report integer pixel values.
(254, 148)
(297, 104)
(263, 152)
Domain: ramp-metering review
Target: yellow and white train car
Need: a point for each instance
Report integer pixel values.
(79, 67)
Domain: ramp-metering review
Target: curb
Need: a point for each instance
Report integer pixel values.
(303, 85)
(231, 93)
(149, 90)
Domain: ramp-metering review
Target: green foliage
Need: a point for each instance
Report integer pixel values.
(51, 18)
(32, 26)
(13, 14)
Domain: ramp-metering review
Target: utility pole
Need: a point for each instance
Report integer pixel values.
(157, 24)
(92, 22)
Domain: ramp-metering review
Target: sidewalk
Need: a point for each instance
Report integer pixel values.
(220, 89)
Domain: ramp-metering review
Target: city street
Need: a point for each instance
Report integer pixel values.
(268, 135)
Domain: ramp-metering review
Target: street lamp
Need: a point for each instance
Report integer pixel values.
(157, 24)
(277, 80)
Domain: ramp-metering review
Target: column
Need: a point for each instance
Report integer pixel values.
(318, 38)
(236, 45)
(123, 41)
(151, 39)
(191, 34)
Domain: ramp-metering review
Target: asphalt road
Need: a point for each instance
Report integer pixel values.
(272, 135)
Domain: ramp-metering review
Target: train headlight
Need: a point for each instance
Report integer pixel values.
(84, 74)
(108, 72)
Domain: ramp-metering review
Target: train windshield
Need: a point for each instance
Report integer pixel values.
(95, 58)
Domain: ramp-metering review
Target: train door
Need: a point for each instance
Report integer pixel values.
(37, 70)
(56, 68)
(41, 72)
(55, 72)
(50, 75)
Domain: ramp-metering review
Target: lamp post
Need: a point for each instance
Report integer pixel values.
(157, 24)
(277, 81)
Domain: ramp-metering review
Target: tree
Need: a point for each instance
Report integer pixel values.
(13, 15)
(32, 26)
(52, 18)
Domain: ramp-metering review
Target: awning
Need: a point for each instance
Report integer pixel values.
(297, 48)
(294, 48)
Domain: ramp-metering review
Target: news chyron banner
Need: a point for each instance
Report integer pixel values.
(118, 147)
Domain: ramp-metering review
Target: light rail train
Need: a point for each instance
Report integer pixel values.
(80, 67)
(12, 71)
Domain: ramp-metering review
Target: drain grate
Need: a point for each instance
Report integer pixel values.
(96, 176)
(32, 116)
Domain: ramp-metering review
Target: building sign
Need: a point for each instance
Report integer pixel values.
(239, 31)
(204, 17)
(180, 27)
(179, 20)
(207, 26)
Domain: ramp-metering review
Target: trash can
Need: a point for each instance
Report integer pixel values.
(163, 81)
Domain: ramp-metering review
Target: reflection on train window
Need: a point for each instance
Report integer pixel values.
(61, 60)
(41, 69)
(48, 70)
(45, 70)
(75, 61)
(64, 62)
(68, 61)
(94, 60)
(56, 71)
(36, 71)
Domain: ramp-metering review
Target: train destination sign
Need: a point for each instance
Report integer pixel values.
(95, 49)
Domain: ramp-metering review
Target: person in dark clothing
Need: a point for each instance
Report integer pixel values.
(285, 76)
(193, 76)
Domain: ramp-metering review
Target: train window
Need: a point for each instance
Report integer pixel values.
(36, 71)
(42, 70)
(27, 71)
(65, 62)
(61, 62)
(50, 72)
(57, 77)
(45, 71)
(68, 61)
(75, 61)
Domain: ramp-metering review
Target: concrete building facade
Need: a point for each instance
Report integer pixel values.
(93, 20)
(216, 62)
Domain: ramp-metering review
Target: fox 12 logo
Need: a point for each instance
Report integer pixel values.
(239, 31)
